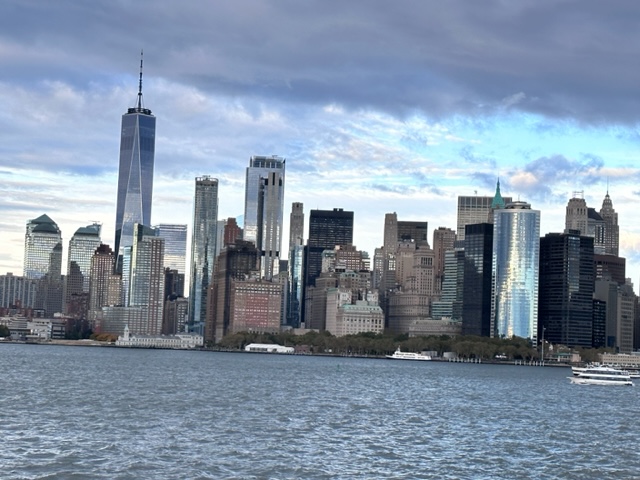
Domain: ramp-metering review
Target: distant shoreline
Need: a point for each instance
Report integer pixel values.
(95, 343)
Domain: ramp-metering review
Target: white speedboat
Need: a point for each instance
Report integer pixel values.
(602, 376)
(400, 355)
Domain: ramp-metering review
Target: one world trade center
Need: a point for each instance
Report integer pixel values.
(135, 177)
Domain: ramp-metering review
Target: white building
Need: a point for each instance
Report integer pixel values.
(268, 348)
(181, 341)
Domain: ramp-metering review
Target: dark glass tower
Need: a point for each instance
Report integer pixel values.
(327, 228)
(135, 174)
(565, 306)
(476, 302)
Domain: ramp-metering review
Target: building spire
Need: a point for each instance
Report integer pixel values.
(140, 83)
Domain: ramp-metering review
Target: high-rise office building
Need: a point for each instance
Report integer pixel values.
(17, 291)
(577, 214)
(296, 225)
(565, 305)
(259, 167)
(476, 301)
(443, 241)
(296, 262)
(236, 262)
(327, 228)
(515, 266)
(41, 237)
(175, 245)
(270, 215)
(104, 285)
(203, 249)
(472, 210)
(82, 247)
(146, 287)
(135, 174)
(611, 228)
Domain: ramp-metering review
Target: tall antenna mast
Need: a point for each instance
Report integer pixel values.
(140, 83)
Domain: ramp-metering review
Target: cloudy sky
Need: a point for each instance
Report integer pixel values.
(377, 106)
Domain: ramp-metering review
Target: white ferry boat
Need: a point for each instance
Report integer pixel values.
(633, 373)
(399, 355)
(602, 376)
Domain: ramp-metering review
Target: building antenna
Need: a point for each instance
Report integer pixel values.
(140, 83)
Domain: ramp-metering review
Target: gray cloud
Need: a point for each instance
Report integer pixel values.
(558, 58)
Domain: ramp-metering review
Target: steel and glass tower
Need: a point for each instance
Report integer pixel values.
(135, 175)
(82, 246)
(203, 249)
(566, 288)
(515, 267)
(259, 168)
(41, 237)
(270, 204)
(175, 245)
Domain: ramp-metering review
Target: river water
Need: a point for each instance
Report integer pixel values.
(107, 413)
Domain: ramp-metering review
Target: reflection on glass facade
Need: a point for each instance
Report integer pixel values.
(41, 237)
(175, 245)
(259, 167)
(515, 266)
(566, 288)
(203, 249)
(135, 174)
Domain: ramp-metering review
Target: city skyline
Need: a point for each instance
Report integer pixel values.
(406, 128)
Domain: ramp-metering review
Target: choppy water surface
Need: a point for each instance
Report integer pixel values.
(107, 413)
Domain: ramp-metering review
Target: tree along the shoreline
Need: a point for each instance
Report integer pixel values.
(370, 344)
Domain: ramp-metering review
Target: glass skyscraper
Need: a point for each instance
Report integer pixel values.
(515, 266)
(175, 245)
(41, 238)
(203, 249)
(566, 288)
(82, 246)
(135, 174)
(270, 214)
(259, 167)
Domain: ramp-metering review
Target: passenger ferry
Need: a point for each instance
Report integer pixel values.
(602, 376)
(399, 355)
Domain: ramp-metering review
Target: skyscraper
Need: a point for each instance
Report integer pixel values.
(515, 266)
(82, 246)
(577, 214)
(104, 285)
(270, 213)
(327, 228)
(611, 229)
(135, 174)
(476, 301)
(472, 210)
(443, 241)
(203, 249)
(41, 237)
(259, 167)
(566, 288)
(175, 245)
(147, 278)
(296, 260)
(296, 225)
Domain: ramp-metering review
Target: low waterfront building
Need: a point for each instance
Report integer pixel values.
(180, 341)
(268, 348)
